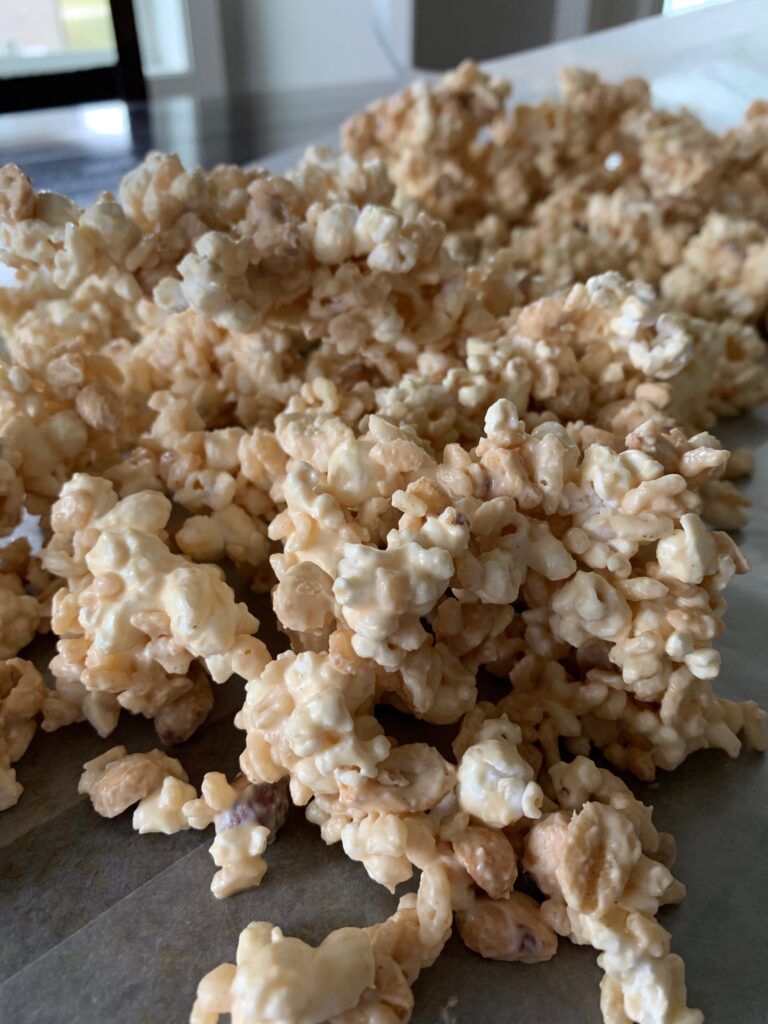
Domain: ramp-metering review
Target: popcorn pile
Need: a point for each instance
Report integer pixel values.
(448, 397)
(560, 191)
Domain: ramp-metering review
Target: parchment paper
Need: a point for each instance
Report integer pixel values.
(99, 924)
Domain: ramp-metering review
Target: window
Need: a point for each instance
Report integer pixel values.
(164, 37)
(44, 37)
(47, 37)
(76, 51)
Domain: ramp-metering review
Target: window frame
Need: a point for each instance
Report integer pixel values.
(121, 81)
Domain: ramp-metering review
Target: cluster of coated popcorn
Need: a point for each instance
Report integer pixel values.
(22, 695)
(448, 397)
(597, 181)
(246, 816)
(600, 863)
(135, 619)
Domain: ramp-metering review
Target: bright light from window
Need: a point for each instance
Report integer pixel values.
(53, 36)
(87, 24)
(106, 119)
(681, 6)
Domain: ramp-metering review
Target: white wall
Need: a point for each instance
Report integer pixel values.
(274, 45)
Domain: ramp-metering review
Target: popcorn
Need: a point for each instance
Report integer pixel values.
(22, 693)
(276, 974)
(413, 777)
(305, 717)
(48, 438)
(216, 797)
(688, 554)
(193, 622)
(427, 137)
(316, 422)
(204, 471)
(609, 600)
(642, 366)
(564, 191)
(657, 345)
(18, 196)
(237, 853)
(117, 779)
(386, 844)
(304, 604)
(218, 371)
(392, 835)
(313, 526)
(453, 389)
(588, 606)
(246, 816)
(400, 956)
(133, 646)
(495, 784)
(344, 264)
(12, 491)
(323, 177)
(20, 615)
(604, 890)
(160, 195)
(383, 594)
(723, 271)
(162, 811)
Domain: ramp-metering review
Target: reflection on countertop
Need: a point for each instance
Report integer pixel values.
(85, 149)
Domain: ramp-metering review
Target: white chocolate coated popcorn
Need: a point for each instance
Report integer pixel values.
(605, 891)
(22, 695)
(382, 594)
(448, 395)
(495, 785)
(135, 616)
(237, 853)
(162, 811)
(282, 979)
(117, 779)
(303, 716)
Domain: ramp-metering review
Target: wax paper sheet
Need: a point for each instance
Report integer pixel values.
(99, 924)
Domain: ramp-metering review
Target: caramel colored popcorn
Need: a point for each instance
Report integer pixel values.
(428, 139)
(723, 271)
(246, 817)
(595, 861)
(278, 974)
(542, 196)
(47, 438)
(20, 615)
(131, 644)
(448, 397)
(22, 694)
(117, 779)
(305, 717)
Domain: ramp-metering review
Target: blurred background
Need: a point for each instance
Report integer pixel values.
(210, 48)
(234, 79)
